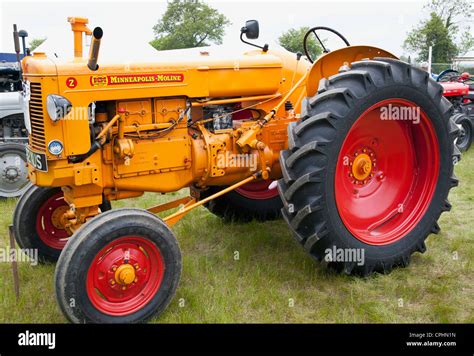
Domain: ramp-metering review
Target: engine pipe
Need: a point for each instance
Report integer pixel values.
(78, 26)
(95, 46)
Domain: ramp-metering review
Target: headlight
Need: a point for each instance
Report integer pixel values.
(57, 106)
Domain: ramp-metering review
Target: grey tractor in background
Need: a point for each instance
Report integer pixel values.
(13, 135)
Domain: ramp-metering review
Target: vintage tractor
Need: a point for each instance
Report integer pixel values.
(459, 90)
(13, 135)
(333, 137)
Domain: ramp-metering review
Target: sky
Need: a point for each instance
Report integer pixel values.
(128, 25)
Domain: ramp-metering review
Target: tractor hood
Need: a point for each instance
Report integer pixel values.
(193, 73)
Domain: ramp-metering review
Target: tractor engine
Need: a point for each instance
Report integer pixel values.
(110, 132)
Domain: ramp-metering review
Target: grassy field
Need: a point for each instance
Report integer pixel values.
(274, 281)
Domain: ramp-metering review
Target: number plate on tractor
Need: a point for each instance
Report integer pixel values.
(37, 160)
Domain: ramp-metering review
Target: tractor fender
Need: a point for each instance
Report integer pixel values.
(329, 63)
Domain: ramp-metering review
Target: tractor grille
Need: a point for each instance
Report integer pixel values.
(37, 137)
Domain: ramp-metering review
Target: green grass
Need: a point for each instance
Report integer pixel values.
(273, 270)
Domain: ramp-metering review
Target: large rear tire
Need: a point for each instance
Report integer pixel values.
(361, 193)
(37, 221)
(121, 267)
(255, 200)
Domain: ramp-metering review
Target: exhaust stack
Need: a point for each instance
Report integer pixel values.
(95, 46)
(16, 41)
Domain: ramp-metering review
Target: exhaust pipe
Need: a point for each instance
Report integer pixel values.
(16, 41)
(95, 46)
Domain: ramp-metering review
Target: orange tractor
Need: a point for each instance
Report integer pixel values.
(354, 151)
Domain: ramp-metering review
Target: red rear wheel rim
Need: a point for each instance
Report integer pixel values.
(259, 190)
(117, 297)
(382, 198)
(48, 221)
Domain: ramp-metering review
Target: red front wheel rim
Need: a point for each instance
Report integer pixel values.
(125, 275)
(48, 221)
(387, 171)
(259, 190)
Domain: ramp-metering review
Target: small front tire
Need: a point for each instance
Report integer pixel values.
(37, 221)
(121, 267)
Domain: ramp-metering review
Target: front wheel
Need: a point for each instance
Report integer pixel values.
(369, 167)
(37, 221)
(123, 266)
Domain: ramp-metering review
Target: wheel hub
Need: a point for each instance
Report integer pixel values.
(362, 166)
(57, 216)
(125, 274)
(11, 173)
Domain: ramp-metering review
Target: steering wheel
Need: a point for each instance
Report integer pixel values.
(313, 31)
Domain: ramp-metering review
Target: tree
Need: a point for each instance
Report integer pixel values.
(292, 40)
(187, 24)
(448, 27)
(432, 33)
(35, 43)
